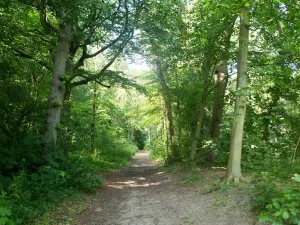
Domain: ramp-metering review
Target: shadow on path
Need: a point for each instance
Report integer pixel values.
(143, 194)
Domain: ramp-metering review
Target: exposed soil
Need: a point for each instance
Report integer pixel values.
(145, 194)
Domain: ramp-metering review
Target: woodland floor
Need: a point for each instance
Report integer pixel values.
(144, 193)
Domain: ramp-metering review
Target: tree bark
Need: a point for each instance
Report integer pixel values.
(57, 90)
(234, 163)
(93, 131)
(197, 131)
(211, 57)
(206, 70)
(221, 79)
(218, 105)
(168, 105)
(178, 112)
(64, 133)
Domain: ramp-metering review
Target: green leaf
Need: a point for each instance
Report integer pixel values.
(294, 211)
(286, 215)
(4, 211)
(276, 205)
(247, 4)
(3, 220)
(286, 190)
(277, 213)
(277, 223)
(263, 217)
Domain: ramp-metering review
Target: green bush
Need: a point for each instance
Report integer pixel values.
(5, 211)
(263, 191)
(277, 203)
(139, 138)
(33, 192)
(115, 156)
(158, 149)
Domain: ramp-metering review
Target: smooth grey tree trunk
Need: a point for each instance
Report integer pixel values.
(234, 163)
(56, 95)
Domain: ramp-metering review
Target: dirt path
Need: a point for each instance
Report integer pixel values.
(143, 194)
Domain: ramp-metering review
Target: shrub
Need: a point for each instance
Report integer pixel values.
(5, 211)
(31, 193)
(285, 207)
(263, 192)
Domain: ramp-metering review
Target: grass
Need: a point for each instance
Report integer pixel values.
(65, 212)
(187, 220)
(190, 178)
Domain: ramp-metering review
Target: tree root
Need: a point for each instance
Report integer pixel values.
(235, 180)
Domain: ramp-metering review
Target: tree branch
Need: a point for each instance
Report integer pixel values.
(26, 56)
(85, 56)
(101, 72)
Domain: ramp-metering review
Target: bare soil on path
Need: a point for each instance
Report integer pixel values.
(145, 194)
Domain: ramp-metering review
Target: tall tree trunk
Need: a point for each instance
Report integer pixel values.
(221, 79)
(219, 93)
(149, 136)
(209, 62)
(93, 131)
(57, 91)
(64, 132)
(234, 163)
(206, 67)
(168, 105)
(266, 116)
(197, 133)
(163, 119)
(179, 127)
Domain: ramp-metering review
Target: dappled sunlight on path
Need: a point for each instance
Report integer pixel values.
(144, 194)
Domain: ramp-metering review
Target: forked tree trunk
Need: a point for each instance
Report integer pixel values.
(234, 163)
(56, 95)
(168, 105)
(207, 69)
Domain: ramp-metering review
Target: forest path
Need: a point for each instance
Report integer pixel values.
(144, 194)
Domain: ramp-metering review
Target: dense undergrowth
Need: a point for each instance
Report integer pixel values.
(32, 185)
(276, 195)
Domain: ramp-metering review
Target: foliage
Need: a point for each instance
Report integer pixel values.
(263, 192)
(190, 177)
(114, 157)
(5, 211)
(139, 137)
(284, 208)
(159, 150)
(38, 187)
(189, 40)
